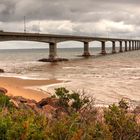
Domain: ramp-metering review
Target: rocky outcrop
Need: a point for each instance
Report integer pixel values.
(22, 103)
(3, 90)
(23, 100)
(47, 106)
(1, 71)
(51, 108)
(137, 110)
(48, 101)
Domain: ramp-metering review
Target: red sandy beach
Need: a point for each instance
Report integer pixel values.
(19, 87)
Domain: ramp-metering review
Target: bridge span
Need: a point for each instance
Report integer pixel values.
(130, 44)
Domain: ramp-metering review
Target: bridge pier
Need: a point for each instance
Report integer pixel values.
(103, 49)
(52, 51)
(126, 46)
(136, 45)
(113, 47)
(132, 45)
(86, 50)
(121, 50)
(129, 45)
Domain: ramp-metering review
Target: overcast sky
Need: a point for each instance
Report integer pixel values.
(112, 18)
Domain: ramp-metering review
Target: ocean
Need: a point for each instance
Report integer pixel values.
(106, 78)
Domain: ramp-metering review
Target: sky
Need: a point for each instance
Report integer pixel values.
(111, 18)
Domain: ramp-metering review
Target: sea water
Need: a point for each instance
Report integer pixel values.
(106, 78)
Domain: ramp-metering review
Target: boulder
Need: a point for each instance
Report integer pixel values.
(1, 71)
(48, 101)
(34, 107)
(20, 99)
(137, 110)
(3, 90)
(48, 109)
(15, 104)
(23, 100)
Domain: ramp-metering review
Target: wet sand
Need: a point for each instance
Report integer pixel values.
(20, 87)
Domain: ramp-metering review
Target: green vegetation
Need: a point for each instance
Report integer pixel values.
(4, 101)
(65, 97)
(80, 120)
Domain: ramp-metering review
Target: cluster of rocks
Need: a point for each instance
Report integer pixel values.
(1, 71)
(3, 90)
(51, 108)
(48, 106)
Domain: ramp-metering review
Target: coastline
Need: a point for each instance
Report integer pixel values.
(19, 87)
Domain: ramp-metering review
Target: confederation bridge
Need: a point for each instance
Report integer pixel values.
(52, 40)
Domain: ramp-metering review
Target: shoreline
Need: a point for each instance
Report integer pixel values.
(21, 87)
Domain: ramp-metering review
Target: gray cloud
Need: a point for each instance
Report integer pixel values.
(71, 16)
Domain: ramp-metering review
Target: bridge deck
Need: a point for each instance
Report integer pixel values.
(19, 34)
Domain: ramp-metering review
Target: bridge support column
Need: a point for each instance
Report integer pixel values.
(126, 46)
(52, 51)
(136, 45)
(103, 50)
(121, 50)
(129, 45)
(86, 49)
(113, 47)
(133, 45)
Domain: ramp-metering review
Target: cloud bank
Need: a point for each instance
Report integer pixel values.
(89, 17)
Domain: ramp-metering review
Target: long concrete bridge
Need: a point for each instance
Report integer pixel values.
(130, 44)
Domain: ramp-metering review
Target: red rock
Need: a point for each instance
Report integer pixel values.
(48, 101)
(14, 103)
(48, 108)
(3, 90)
(137, 110)
(20, 99)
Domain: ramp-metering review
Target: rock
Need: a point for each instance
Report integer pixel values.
(20, 99)
(1, 71)
(48, 108)
(3, 90)
(137, 110)
(34, 107)
(49, 111)
(23, 100)
(48, 101)
(14, 103)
